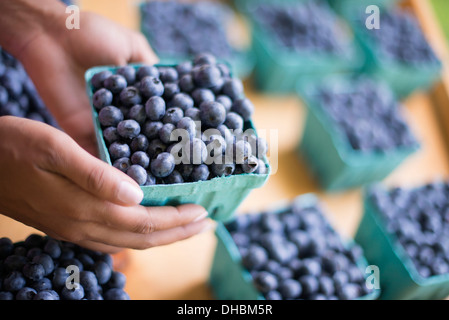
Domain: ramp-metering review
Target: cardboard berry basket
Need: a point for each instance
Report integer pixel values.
(403, 78)
(220, 196)
(278, 69)
(329, 154)
(241, 61)
(231, 281)
(399, 277)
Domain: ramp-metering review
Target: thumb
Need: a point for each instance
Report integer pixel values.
(96, 176)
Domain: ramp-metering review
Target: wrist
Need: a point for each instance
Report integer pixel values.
(25, 21)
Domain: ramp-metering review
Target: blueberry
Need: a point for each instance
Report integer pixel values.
(140, 158)
(116, 294)
(188, 125)
(155, 148)
(151, 180)
(290, 289)
(182, 100)
(186, 83)
(168, 74)
(242, 151)
(118, 280)
(60, 276)
(174, 178)
(26, 293)
(349, 291)
(309, 284)
(115, 83)
(201, 95)
(110, 135)
(216, 145)
(326, 285)
(122, 164)
(233, 88)
(128, 129)
(46, 261)
(139, 143)
(212, 114)
(145, 71)
(151, 129)
(193, 113)
(128, 72)
(165, 133)
(173, 115)
(98, 79)
(204, 58)
(137, 173)
(4, 295)
(206, 76)
(47, 295)
(170, 90)
(119, 150)
(163, 165)
(273, 295)
(110, 116)
(265, 282)
(14, 281)
(255, 258)
(88, 280)
(184, 68)
(200, 173)
(244, 108)
(102, 98)
(196, 152)
(53, 248)
(41, 284)
(151, 86)
(130, 96)
(103, 272)
(225, 101)
(76, 293)
(14, 262)
(222, 167)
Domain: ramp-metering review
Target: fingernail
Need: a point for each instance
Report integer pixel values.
(201, 217)
(206, 228)
(128, 193)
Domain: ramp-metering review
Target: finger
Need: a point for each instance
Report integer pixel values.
(97, 246)
(102, 234)
(146, 220)
(141, 51)
(93, 175)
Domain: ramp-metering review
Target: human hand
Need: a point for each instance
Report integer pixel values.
(50, 183)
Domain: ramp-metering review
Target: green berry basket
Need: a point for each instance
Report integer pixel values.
(229, 279)
(220, 196)
(241, 61)
(278, 69)
(399, 279)
(329, 154)
(403, 78)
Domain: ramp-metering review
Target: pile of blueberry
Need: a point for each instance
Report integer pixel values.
(37, 269)
(295, 254)
(186, 29)
(301, 26)
(400, 38)
(368, 115)
(419, 219)
(18, 96)
(169, 125)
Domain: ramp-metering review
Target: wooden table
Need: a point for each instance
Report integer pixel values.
(180, 270)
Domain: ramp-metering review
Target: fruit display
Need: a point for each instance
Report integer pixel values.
(43, 268)
(171, 125)
(293, 253)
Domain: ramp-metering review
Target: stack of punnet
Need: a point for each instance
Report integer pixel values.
(42, 268)
(289, 253)
(356, 131)
(18, 95)
(179, 125)
(410, 227)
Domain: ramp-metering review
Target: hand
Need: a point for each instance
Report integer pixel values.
(50, 183)
(56, 59)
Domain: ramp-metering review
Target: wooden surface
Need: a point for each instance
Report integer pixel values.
(180, 270)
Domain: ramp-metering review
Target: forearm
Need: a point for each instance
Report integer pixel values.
(22, 21)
